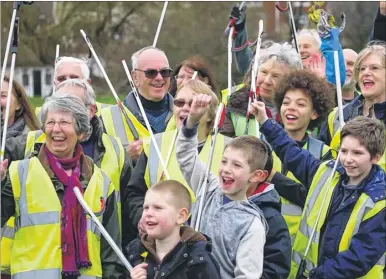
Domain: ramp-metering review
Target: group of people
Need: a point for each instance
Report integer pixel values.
(306, 199)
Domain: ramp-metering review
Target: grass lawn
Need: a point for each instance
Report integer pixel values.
(107, 99)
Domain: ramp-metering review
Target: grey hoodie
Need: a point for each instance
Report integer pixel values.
(237, 229)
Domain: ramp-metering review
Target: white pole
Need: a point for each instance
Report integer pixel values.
(145, 119)
(160, 24)
(103, 231)
(4, 137)
(338, 89)
(8, 47)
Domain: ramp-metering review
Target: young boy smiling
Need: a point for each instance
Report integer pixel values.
(350, 240)
(168, 250)
(236, 227)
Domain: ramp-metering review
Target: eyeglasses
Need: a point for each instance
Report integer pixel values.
(181, 102)
(182, 77)
(62, 124)
(373, 68)
(152, 73)
(64, 78)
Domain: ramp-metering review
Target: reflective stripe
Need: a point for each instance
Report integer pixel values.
(89, 277)
(297, 258)
(119, 125)
(8, 232)
(117, 196)
(39, 274)
(34, 219)
(115, 146)
(315, 147)
(291, 209)
(382, 260)
(91, 226)
(153, 160)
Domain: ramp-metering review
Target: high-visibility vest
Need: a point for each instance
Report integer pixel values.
(118, 126)
(36, 251)
(112, 164)
(364, 209)
(240, 122)
(99, 106)
(166, 143)
(225, 92)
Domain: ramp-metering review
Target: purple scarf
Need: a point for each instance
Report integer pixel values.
(73, 219)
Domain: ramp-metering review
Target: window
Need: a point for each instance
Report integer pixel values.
(48, 77)
(25, 79)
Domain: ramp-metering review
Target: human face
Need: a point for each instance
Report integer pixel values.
(161, 219)
(372, 78)
(181, 113)
(153, 89)
(297, 110)
(185, 74)
(61, 137)
(68, 71)
(234, 173)
(307, 46)
(355, 159)
(80, 93)
(350, 57)
(14, 105)
(268, 75)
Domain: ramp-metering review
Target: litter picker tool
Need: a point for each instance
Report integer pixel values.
(139, 103)
(103, 231)
(120, 104)
(254, 71)
(217, 125)
(161, 20)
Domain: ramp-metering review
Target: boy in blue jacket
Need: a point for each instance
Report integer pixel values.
(349, 239)
(169, 250)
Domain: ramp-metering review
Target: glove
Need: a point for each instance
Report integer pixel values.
(240, 16)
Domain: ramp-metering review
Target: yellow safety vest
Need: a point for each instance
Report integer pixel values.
(99, 106)
(240, 122)
(36, 251)
(166, 143)
(118, 126)
(291, 212)
(225, 92)
(364, 209)
(111, 164)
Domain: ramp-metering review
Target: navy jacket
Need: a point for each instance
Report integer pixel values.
(369, 244)
(191, 258)
(277, 248)
(379, 28)
(350, 111)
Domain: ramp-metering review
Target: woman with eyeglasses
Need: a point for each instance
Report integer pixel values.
(370, 74)
(148, 169)
(185, 71)
(55, 238)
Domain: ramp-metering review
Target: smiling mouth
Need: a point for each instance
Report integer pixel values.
(157, 85)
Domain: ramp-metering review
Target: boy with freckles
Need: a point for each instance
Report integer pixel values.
(236, 227)
(169, 250)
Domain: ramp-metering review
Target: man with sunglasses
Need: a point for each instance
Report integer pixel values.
(151, 75)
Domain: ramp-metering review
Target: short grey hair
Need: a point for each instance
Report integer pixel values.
(313, 33)
(283, 53)
(68, 103)
(135, 56)
(69, 59)
(89, 91)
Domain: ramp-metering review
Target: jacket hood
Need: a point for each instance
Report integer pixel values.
(238, 102)
(268, 197)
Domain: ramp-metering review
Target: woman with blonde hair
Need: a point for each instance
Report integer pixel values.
(21, 117)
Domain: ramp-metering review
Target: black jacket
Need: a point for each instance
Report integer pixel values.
(277, 248)
(379, 27)
(191, 258)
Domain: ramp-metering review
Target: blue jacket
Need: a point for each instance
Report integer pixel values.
(191, 258)
(350, 111)
(369, 244)
(277, 248)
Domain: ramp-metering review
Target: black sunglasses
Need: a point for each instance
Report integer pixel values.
(152, 73)
(181, 102)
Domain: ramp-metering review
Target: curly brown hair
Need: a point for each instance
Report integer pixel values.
(322, 93)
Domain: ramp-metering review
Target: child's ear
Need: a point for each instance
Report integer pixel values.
(376, 159)
(259, 176)
(314, 115)
(183, 216)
